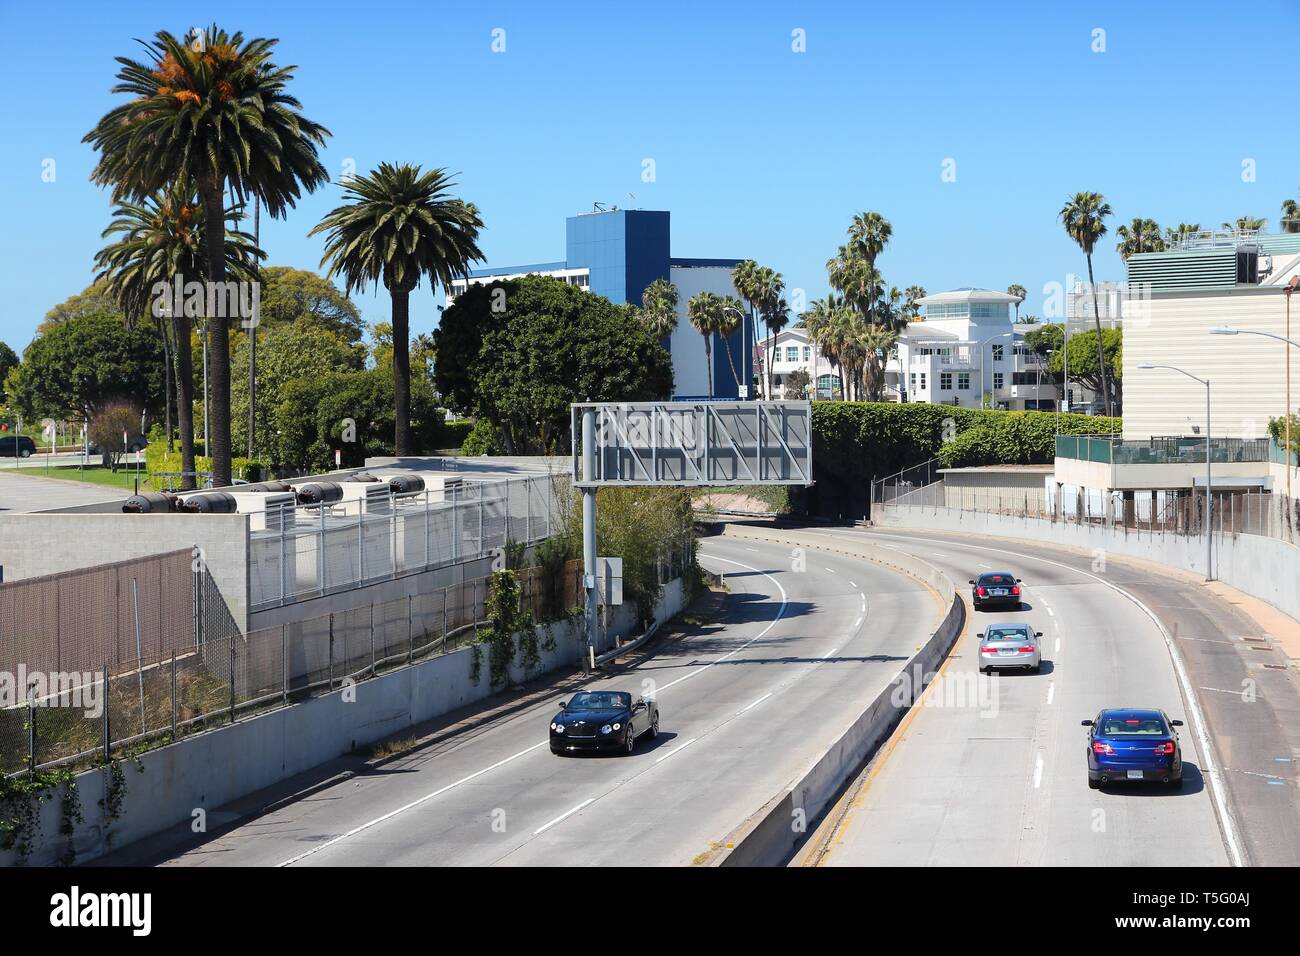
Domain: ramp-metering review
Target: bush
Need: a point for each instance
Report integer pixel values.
(856, 442)
(482, 439)
(452, 434)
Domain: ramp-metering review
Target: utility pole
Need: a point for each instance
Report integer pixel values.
(589, 523)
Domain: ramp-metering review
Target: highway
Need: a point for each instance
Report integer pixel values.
(745, 705)
(965, 783)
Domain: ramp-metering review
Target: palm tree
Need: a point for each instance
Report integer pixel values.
(398, 224)
(827, 322)
(731, 316)
(155, 241)
(704, 311)
(869, 233)
(1245, 224)
(912, 311)
(1084, 217)
(776, 316)
(1290, 215)
(876, 342)
(1141, 235)
(214, 112)
(659, 308)
(1019, 292)
(747, 279)
(1181, 232)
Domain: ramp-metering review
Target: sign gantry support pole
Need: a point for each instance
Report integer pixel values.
(589, 524)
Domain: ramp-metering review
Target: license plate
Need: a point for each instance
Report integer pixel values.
(1006, 651)
(1135, 774)
(999, 592)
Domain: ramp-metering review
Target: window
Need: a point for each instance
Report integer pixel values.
(1025, 378)
(963, 381)
(997, 380)
(792, 353)
(807, 353)
(997, 352)
(945, 381)
(913, 381)
(945, 355)
(923, 381)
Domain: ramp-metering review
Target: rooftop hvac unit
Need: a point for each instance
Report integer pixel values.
(277, 486)
(319, 492)
(365, 497)
(150, 502)
(267, 510)
(361, 476)
(209, 502)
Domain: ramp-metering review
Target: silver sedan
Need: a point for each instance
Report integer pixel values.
(1010, 645)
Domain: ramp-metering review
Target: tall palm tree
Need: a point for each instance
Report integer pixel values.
(869, 233)
(155, 241)
(1141, 235)
(912, 311)
(659, 308)
(1019, 292)
(827, 322)
(214, 112)
(747, 279)
(731, 317)
(398, 224)
(876, 343)
(1084, 217)
(1290, 215)
(776, 316)
(704, 311)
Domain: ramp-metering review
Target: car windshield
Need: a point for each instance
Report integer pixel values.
(1133, 727)
(1006, 634)
(997, 580)
(601, 700)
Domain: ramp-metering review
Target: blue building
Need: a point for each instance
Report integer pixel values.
(617, 253)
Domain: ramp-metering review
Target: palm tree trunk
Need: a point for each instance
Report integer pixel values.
(726, 345)
(214, 216)
(185, 397)
(1101, 353)
(708, 361)
(401, 372)
(163, 327)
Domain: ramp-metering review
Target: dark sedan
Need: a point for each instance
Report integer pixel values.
(603, 720)
(1131, 744)
(996, 589)
(16, 446)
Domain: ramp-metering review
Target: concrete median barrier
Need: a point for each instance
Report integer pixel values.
(770, 835)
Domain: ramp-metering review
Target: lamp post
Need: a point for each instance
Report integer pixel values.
(1286, 417)
(726, 345)
(1209, 486)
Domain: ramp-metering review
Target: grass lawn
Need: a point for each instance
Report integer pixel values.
(95, 475)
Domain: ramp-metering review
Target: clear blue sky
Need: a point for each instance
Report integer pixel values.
(760, 152)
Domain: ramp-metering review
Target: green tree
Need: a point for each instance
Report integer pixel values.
(1046, 338)
(215, 112)
(704, 311)
(1019, 292)
(94, 298)
(8, 360)
(297, 295)
(554, 344)
(911, 310)
(1245, 224)
(1181, 232)
(1084, 218)
(1083, 352)
(1141, 235)
(1290, 215)
(116, 418)
(78, 365)
(796, 385)
(399, 224)
(285, 352)
(659, 308)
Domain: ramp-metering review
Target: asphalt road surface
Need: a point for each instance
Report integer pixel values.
(744, 707)
(969, 783)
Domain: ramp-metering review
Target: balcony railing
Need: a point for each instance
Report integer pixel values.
(1165, 451)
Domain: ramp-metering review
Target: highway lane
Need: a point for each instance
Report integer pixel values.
(1002, 780)
(744, 707)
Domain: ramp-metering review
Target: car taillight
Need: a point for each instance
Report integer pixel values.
(1027, 647)
(1101, 747)
(1015, 590)
(979, 591)
(988, 650)
(1165, 748)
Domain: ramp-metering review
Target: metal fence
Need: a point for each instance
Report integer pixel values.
(307, 551)
(1160, 511)
(166, 695)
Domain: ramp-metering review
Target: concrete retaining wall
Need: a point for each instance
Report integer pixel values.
(1263, 567)
(216, 767)
(769, 836)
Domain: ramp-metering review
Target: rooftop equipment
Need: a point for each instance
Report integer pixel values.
(150, 502)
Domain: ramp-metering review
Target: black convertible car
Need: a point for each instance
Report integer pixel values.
(603, 720)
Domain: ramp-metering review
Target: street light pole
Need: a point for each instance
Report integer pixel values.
(1209, 481)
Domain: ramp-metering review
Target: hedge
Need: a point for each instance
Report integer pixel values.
(856, 442)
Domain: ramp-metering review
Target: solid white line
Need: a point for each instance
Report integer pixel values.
(1038, 772)
(564, 816)
(1051, 691)
(1206, 745)
(754, 704)
(414, 803)
(1057, 648)
(827, 655)
(676, 750)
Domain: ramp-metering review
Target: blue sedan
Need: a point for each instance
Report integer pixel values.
(1132, 744)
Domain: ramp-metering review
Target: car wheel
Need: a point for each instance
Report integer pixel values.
(1094, 784)
(654, 727)
(630, 744)
(26, 453)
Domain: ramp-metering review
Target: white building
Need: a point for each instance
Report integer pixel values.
(792, 352)
(967, 349)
